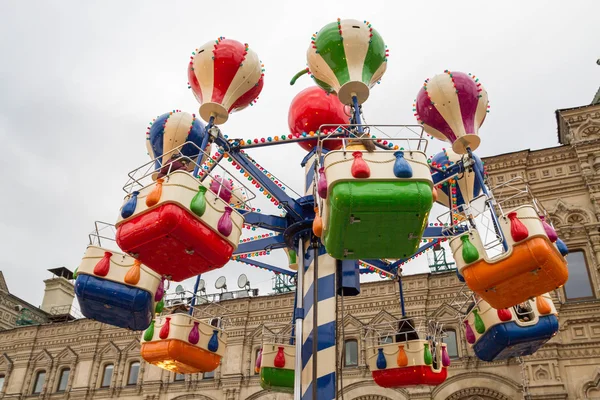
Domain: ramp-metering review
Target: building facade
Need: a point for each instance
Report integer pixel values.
(83, 359)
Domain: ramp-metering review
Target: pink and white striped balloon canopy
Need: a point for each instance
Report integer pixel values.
(225, 76)
(451, 107)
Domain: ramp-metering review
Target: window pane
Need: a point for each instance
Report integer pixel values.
(179, 377)
(386, 340)
(351, 353)
(64, 379)
(451, 345)
(39, 382)
(578, 285)
(134, 369)
(208, 375)
(107, 375)
(1, 382)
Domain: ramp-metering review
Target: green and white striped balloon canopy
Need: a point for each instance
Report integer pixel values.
(347, 57)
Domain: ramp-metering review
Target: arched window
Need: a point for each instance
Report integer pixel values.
(38, 385)
(63, 380)
(579, 285)
(351, 353)
(107, 374)
(2, 378)
(451, 344)
(134, 370)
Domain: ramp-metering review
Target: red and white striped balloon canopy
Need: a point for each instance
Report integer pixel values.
(225, 76)
(452, 106)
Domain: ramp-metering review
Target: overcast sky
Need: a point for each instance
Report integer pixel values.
(79, 82)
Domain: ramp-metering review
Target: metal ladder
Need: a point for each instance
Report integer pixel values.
(525, 379)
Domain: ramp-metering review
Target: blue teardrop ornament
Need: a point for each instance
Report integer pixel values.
(213, 343)
(562, 247)
(381, 363)
(129, 207)
(402, 168)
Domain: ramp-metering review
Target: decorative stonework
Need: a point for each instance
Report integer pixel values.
(477, 394)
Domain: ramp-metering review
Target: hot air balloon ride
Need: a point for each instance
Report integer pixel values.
(413, 357)
(116, 289)
(468, 186)
(170, 131)
(531, 265)
(451, 107)
(183, 344)
(347, 57)
(510, 332)
(225, 76)
(177, 225)
(310, 109)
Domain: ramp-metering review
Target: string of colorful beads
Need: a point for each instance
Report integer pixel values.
(264, 269)
(238, 257)
(257, 237)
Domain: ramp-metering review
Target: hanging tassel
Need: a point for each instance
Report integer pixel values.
(543, 305)
(550, 232)
(133, 275)
(225, 226)
(402, 359)
(518, 230)
(469, 332)
(198, 204)
(479, 325)
(164, 331)
(129, 207)
(562, 247)
(359, 169)
(194, 335)
(504, 314)
(160, 306)
(279, 360)
(258, 361)
(381, 361)
(427, 358)
(402, 168)
(213, 343)
(154, 196)
(149, 334)
(322, 184)
(317, 224)
(469, 251)
(434, 192)
(160, 290)
(103, 266)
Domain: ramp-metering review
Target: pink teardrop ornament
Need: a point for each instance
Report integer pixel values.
(258, 361)
(469, 333)
(518, 230)
(360, 168)
(445, 357)
(194, 335)
(225, 226)
(164, 331)
(160, 291)
(103, 266)
(550, 232)
(322, 184)
(279, 360)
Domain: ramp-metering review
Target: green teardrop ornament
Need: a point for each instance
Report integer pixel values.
(469, 252)
(75, 273)
(292, 254)
(159, 307)
(427, 358)
(149, 334)
(198, 204)
(479, 325)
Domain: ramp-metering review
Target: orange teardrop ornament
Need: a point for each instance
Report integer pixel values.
(317, 224)
(154, 196)
(543, 306)
(402, 359)
(133, 275)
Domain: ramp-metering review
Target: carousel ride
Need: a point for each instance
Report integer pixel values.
(365, 209)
